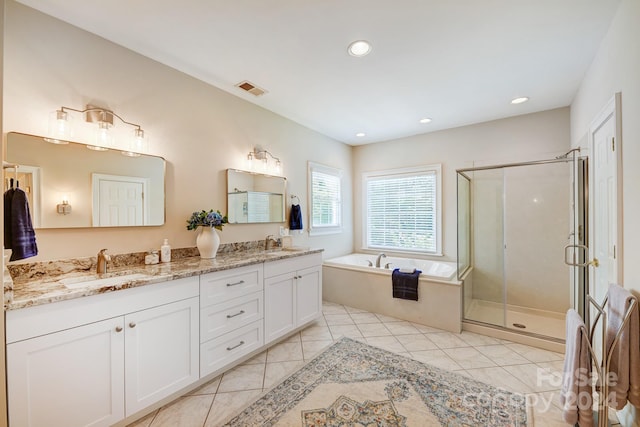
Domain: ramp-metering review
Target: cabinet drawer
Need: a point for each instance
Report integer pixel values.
(221, 351)
(221, 318)
(275, 268)
(224, 285)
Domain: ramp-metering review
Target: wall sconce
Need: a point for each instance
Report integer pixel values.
(260, 160)
(61, 129)
(64, 208)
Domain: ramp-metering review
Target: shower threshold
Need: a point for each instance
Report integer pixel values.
(539, 322)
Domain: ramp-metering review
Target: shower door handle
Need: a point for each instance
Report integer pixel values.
(573, 262)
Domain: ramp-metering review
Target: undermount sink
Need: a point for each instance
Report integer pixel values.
(295, 248)
(273, 254)
(81, 282)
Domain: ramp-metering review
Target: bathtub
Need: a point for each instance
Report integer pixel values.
(349, 280)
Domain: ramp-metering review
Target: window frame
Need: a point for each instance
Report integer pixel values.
(392, 173)
(327, 170)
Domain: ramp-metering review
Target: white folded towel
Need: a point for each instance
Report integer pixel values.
(409, 270)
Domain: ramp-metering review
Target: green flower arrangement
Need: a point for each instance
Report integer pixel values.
(207, 219)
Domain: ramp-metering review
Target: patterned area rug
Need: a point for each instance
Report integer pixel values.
(354, 384)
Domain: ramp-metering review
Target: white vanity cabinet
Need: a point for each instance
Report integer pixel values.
(293, 294)
(95, 360)
(231, 316)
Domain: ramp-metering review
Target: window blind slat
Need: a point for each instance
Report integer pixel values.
(401, 211)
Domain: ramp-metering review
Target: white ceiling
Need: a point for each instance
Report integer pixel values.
(456, 61)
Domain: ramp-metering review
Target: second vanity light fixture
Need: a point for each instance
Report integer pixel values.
(260, 160)
(61, 129)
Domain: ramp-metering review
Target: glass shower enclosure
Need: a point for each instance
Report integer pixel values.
(519, 226)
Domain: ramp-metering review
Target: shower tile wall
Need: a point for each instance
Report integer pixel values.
(537, 205)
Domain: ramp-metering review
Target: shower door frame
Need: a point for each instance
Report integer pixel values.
(579, 237)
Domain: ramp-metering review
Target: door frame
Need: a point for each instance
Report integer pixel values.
(612, 110)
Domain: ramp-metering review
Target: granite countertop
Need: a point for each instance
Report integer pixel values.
(39, 288)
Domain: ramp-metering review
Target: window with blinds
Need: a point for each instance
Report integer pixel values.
(326, 199)
(402, 210)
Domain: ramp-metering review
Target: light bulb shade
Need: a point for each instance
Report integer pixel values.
(103, 136)
(60, 127)
(139, 142)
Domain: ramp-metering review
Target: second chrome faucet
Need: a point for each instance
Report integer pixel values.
(103, 260)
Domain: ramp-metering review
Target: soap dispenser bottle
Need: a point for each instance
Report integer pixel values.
(165, 251)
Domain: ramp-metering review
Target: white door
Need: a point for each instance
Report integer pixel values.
(161, 352)
(69, 378)
(603, 212)
(278, 306)
(120, 203)
(308, 295)
(119, 200)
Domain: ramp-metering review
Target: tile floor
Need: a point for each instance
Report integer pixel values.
(512, 366)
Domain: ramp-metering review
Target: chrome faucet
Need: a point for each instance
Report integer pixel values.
(269, 241)
(380, 255)
(103, 259)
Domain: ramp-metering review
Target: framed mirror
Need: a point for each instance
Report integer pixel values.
(255, 198)
(70, 186)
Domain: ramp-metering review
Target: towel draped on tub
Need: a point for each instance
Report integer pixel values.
(405, 285)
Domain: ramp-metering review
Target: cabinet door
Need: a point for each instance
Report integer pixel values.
(279, 317)
(69, 378)
(308, 295)
(161, 352)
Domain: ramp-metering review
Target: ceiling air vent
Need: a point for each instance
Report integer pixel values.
(251, 88)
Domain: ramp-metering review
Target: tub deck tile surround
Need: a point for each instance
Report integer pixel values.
(348, 279)
(31, 284)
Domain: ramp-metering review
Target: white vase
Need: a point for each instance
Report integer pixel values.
(207, 242)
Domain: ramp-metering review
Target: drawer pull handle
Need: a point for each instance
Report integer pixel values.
(229, 316)
(235, 284)
(132, 325)
(118, 328)
(235, 346)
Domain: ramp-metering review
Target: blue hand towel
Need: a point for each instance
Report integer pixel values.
(23, 237)
(8, 196)
(295, 218)
(405, 285)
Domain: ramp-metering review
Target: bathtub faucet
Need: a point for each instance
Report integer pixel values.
(380, 255)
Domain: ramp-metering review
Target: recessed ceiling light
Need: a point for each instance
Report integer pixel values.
(520, 100)
(361, 134)
(426, 120)
(359, 48)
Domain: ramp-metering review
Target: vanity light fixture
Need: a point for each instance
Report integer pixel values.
(64, 208)
(359, 48)
(519, 100)
(261, 160)
(61, 129)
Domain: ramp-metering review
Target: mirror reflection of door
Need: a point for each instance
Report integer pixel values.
(119, 200)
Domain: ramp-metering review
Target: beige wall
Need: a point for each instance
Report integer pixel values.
(200, 130)
(616, 68)
(528, 137)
